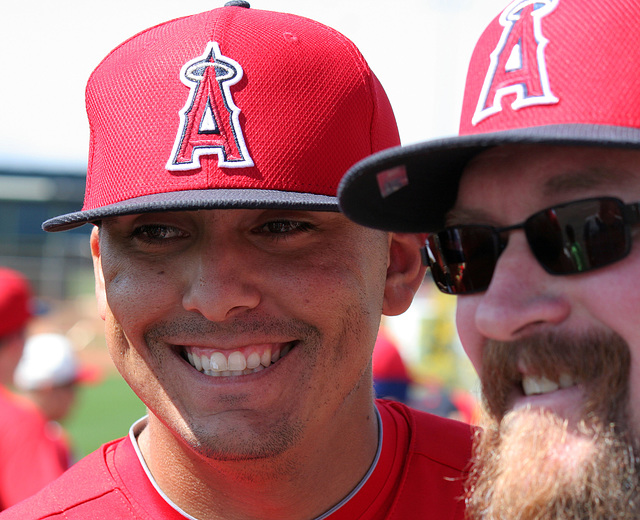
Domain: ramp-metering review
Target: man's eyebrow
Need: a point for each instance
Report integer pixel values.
(565, 183)
(462, 216)
(586, 179)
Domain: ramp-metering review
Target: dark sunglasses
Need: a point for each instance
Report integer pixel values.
(569, 238)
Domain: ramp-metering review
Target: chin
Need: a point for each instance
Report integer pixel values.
(535, 465)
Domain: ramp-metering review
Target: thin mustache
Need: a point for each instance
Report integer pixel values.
(193, 327)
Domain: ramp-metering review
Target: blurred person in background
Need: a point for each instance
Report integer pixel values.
(391, 377)
(29, 458)
(49, 374)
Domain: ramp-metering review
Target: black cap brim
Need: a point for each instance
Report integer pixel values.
(196, 200)
(429, 173)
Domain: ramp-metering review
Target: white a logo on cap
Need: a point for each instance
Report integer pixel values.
(209, 121)
(518, 62)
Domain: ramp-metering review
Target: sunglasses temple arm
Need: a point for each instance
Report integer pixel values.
(632, 213)
(424, 256)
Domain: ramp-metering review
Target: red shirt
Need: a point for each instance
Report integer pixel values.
(30, 458)
(419, 474)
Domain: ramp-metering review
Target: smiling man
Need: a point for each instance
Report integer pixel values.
(532, 216)
(240, 305)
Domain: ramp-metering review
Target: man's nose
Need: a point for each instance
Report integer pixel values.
(521, 297)
(221, 281)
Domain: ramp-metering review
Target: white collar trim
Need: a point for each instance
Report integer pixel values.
(137, 427)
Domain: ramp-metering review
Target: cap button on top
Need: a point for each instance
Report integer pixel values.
(237, 3)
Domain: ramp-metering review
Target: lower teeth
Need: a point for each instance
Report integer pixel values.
(227, 373)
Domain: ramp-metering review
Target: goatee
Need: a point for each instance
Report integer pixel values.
(532, 464)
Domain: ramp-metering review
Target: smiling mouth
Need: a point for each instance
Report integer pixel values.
(539, 385)
(236, 362)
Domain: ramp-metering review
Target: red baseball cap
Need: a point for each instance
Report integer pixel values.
(232, 108)
(557, 72)
(15, 301)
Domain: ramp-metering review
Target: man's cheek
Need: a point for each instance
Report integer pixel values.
(469, 336)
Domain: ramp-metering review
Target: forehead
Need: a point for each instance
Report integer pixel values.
(538, 173)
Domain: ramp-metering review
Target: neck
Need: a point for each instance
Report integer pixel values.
(302, 483)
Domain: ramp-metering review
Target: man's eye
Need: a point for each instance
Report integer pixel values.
(157, 233)
(281, 227)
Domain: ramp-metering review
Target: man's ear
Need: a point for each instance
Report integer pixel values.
(101, 295)
(405, 272)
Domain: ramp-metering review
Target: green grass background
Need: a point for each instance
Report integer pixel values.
(103, 412)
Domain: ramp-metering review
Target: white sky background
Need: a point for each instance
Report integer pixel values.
(419, 49)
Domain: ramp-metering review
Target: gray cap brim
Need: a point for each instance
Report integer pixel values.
(426, 175)
(196, 200)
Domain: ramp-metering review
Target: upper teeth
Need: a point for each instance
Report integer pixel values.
(236, 364)
(533, 385)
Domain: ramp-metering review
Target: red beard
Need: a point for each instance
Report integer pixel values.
(532, 464)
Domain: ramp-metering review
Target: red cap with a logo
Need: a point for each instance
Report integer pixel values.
(15, 301)
(232, 108)
(561, 72)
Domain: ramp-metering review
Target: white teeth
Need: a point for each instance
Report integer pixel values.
(253, 361)
(538, 385)
(219, 365)
(257, 369)
(541, 385)
(237, 362)
(197, 362)
(218, 362)
(566, 381)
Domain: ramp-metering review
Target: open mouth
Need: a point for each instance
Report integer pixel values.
(235, 362)
(538, 385)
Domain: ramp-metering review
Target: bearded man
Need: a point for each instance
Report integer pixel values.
(532, 213)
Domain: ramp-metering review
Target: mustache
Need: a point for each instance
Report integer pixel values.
(597, 359)
(200, 327)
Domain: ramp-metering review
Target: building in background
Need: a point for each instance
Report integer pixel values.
(57, 264)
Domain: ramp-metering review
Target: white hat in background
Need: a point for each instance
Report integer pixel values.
(49, 360)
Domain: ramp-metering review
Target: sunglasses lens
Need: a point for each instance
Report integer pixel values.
(462, 259)
(579, 236)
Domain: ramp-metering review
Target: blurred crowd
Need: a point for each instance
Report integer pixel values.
(394, 378)
(39, 377)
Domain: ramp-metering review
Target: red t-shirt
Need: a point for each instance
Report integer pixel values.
(419, 475)
(30, 458)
